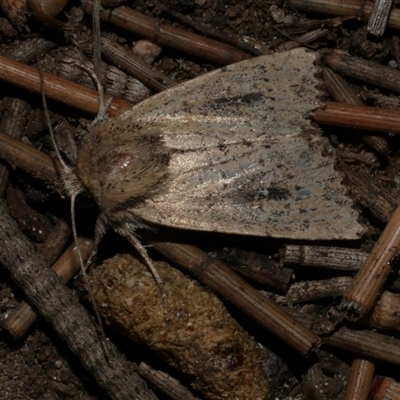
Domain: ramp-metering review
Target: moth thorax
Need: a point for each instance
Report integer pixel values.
(124, 176)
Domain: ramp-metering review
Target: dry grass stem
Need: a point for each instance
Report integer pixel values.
(360, 297)
(57, 88)
(370, 195)
(358, 117)
(366, 344)
(379, 17)
(360, 378)
(344, 8)
(364, 70)
(135, 66)
(341, 258)
(386, 313)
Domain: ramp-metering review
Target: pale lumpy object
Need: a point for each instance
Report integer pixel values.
(200, 338)
(231, 151)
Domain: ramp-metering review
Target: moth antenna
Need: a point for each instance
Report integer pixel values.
(83, 272)
(96, 38)
(103, 107)
(65, 167)
(143, 253)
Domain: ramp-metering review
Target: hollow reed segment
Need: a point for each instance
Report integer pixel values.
(61, 309)
(366, 344)
(362, 293)
(341, 258)
(57, 88)
(386, 313)
(360, 378)
(385, 388)
(344, 8)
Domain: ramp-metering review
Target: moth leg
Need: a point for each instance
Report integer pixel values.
(133, 240)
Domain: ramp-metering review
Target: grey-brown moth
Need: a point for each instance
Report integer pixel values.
(231, 151)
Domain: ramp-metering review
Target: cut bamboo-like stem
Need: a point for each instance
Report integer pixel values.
(135, 66)
(384, 388)
(366, 344)
(361, 295)
(56, 88)
(360, 378)
(342, 92)
(364, 70)
(379, 16)
(26, 157)
(358, 117)
(344, 8)
(340, 258)
(386, 313)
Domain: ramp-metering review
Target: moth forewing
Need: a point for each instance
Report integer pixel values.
(231, 151)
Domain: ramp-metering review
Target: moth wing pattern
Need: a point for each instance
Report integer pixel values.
(245, 159)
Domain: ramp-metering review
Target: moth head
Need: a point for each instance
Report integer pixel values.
(121, 164)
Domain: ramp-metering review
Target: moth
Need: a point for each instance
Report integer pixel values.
(231, 151)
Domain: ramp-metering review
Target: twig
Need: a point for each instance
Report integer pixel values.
(57, 88)
(69, 319)
(28, 158)
(19, 321)
(170, 36)
(13, 118)
(379, 16)
(361, 295)
(340, 258)
(380, 204)
(166, 383)
(344, 8)
(358, 117)
(364, 70)
(384, 388)
(256, 266)
(360, 378)
(386, 313)
(247, 44)
(302, 40)
(308, 291)
(366, 343)
(342, 92)
(135, 66)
